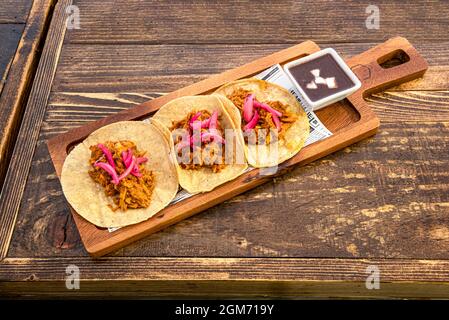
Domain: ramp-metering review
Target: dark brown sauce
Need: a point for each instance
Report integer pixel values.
(328, 68)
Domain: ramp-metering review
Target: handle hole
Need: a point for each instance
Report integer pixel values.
(393, 59)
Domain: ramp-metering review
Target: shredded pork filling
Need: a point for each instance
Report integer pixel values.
(204, 154)
(132, 191)
(265, 130)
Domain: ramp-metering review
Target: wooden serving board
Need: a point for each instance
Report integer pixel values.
(350, 120)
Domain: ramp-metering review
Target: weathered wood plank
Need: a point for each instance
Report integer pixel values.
(405, 106)
(20, 75)
(255, 22)
(224, 277)
(14, 11)
(401, 208)
(22, 155)
(10, 35)
(166, 268)
(164, 68)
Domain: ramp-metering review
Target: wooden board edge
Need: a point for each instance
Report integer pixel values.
(16, 175)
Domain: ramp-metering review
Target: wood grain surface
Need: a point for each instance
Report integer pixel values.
(13, 16)
(384, 198)
(247, 21)
(10, 35)
(12, 188)
(223, 277)
(20, 69)
(14, 11)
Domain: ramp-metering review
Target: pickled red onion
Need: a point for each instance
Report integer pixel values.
(126, 157)
(208, 123)
(248, 108)
(198, 136)
(252, 123)
(213, 120)
(195, 117)
(140, 160)
(206, 136)
(136, 171)
(128, 169)
(107, 154)
(204, 123)
(266, 107)
(108, 168)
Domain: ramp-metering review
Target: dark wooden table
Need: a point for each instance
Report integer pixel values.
(22, 32)
(312, 232)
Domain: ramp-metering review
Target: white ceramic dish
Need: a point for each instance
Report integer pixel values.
(315, 105)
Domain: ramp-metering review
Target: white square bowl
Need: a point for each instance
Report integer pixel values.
(315, 105)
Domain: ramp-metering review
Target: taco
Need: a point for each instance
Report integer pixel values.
(207, 148)
(274, 125)
(120, 175)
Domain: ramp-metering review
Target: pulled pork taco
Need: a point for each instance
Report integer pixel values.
(273, 123)
(207, 147)
(120, 174)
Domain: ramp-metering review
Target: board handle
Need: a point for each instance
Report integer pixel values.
(375, 77)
